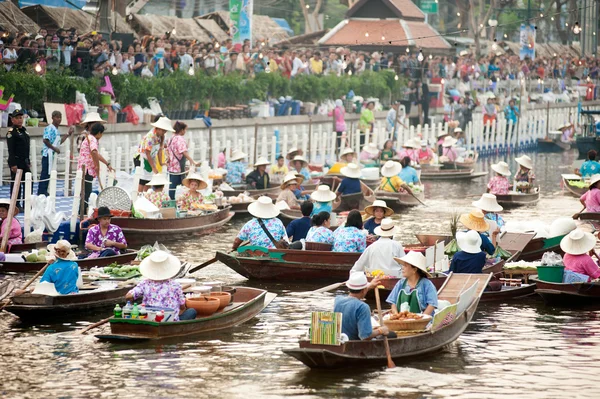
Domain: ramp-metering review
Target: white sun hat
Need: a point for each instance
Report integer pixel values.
(163, 123)
(391, 168)
(387, 228)
(291, 177)
(449, 141)
(347, 151)
(379, 204)
(262, 161)
(594, 179)
(92, 117)
(415, 259)
(469, 241)
(443, 133)
(371, 148)
(263, 208)
(158, 179)
(525, 161)
(351, 170)
(160, 265)
(292, 152)
(236, 155)
(501, 168)
(195, 176)
(301, 159)
(578, 242)
(64, 245)
(488, 202)
(457, 130)
(412, 143)
(357, 281)
(561, 226)
(323, 194)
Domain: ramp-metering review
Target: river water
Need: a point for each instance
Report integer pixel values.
(518, 349)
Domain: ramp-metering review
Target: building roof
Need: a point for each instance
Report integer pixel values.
(404, 9)
(14, 20)
(158, 25)
(263, 27)
(212, 28)
(425, 36)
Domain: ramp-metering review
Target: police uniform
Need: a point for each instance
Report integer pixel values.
(17, 140)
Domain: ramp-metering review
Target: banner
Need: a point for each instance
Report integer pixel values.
(240, 12)
(527, 41)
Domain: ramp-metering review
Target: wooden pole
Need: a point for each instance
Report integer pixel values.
(82, 204)
(388, 353)
(308, 150)
(11, 208)
(255, 141)
(210, 146)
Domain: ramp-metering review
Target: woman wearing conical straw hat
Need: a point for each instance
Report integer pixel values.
(192, 198)
(525, 176)
(475, 220)
(290, 182)
(348, 155)
(499, 184)
(390, 181)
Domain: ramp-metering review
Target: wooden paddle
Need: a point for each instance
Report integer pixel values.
(320, 290)
(415, 197)
(576, 216)
(202, 266)
(390, 362)
(11, 208)
(43, 269)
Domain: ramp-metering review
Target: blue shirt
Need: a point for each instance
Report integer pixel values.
(64, 274)
(319, 207)
(463, 262)
(349, 239)
(304, 172)
(299, 228)
(589, 168)
(235, 171)
(51, 133)
(409, 175)
(486, 244)
(356, 317)
(256, 235)
(370, 225)
(510, 115)
(426, 293)
(349, 186)
(494, 217)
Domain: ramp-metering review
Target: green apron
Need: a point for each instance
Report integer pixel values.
(389, 183)
(412, 299)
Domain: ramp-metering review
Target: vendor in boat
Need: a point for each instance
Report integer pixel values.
(279, 170)
(490, 208)
(104, 239)
(590, 166)
(157, 196)
(390, 181)
(320, 231)
(568, 131)
(15, 234)
(475, 220)
(408, 174)
(578, 246)
(499, 184)
(388, 151)
(425, 154)
(301, 167)
(449, 149)
(265, 219)
(414, 291)
(356, 314)
(63, 270)
(346, 157)
(440, 141)
(524, 177)
(191, 198)
(470, 258)
(591, 198)
(298, 228)
(376, 212)
(351, 237)
(351, 183)
(150, 152)
(290, 183)
(369, 154)
(236, 171)
(158, 289)
(259, 179)
(410, 150)
(380, 255)
(323, 198)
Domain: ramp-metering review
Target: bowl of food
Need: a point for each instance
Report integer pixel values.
(406, 321)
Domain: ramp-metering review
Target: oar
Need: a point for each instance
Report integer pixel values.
(43, 269)
(576, 216)
(415, 197)
(320, 290)
(390, 364)
(202, 266)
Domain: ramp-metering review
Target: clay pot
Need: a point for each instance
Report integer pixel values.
(224, 297)
(204, 305)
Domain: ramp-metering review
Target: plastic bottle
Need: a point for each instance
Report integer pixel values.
(143, 312)
(127, 310)
(118, 311)
(160, 316)
(135, 312)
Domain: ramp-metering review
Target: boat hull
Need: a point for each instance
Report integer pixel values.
(575, 191)
(547, 145)
(512, 200)
(576, 294)
(508, 293)
(452, 174)
(400, 199)
(84, 264)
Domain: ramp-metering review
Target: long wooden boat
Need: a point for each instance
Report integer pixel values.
(144, 231)
(400, 199)
(248, 303)
(372, 352)
(508, 293)
(28, 306)
(561, 294)
(288, 215)
(452, 174)
(552, 145)
(576, 191)
(593, 216)
(6, 287)
(519, 199)
(240, 208)
(17, 248)
(237, 190)
(29, 267)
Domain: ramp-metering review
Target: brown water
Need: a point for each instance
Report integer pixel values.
(519, 350)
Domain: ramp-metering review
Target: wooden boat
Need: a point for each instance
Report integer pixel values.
(18, 248)
(592, 216)
(240, 189)
(552, 145)
(576, 191)
(288, 215)
(461, 165)
(6, 287)
(240, 208)
(28, 267)
(248, 303)
(508, 293)
(400, 199)
(429, 240)
(144, 231)
(519, 199)
(27, 306)
(452, 174)
(574, 294)
(372, 352)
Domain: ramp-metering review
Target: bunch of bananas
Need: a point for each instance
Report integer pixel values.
(377, 273)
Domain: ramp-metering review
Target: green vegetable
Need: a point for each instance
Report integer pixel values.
(499, 252)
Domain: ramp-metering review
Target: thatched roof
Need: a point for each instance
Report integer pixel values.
(157, 25)
(263, 27)
(14, 20)
(212, 28)
(307, 39)
(53, 18)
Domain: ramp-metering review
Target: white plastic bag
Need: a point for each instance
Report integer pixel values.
(551, 259)
(146, 208)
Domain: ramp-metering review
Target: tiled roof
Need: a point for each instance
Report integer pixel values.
(431, 38)
(405, 9)
(408, 9)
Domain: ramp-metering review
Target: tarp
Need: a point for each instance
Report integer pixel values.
(75, 4)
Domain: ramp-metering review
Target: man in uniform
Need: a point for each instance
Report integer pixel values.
(17, 140)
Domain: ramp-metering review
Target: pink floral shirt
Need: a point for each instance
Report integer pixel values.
(186, 200)
(583, 264)
(592, 200)
(177, 146)
(88, 145)
(14, 235)
(451, 153)
(163, 294)
(157, 197)
(499, 185)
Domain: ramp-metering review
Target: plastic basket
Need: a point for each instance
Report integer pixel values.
(551, 274)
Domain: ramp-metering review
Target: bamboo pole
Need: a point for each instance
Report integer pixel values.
(11, 208)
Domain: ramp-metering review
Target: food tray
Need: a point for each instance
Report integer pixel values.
(407, 325)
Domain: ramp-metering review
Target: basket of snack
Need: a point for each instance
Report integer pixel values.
(406, 321)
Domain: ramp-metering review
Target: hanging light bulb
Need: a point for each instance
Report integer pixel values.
(407, 50)
(115, 71)
(349, 73)
(541, 15)
(430, 56)
(38, 68)
(505, 36)
(494, 45)
(382, 37)
(191, 71)
(481, 25)
(396, 77)
(260, 56)
(308, 6)
(262, 44)
(576, 28)
(174, 32)
(551, 18)
(420, 56)
(443, 81)
(458, 14)
(555, 54)
(566, 24)
(540, 81)
(366, 34)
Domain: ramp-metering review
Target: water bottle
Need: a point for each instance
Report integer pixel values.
(143, 312)
(135, 312)
(118, 312)
(127, 310)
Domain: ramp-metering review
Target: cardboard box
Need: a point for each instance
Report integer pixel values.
(168, 213)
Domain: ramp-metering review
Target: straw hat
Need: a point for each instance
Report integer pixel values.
(387, 228)
(347, 151)
(378, 204)
(501, 168)
(236, 155)
(474, 221)
(415, 259)
(564, 125)
(292, 153)
(443, 133)
(594, 179)
(424, 143)
(391, 168)
(290, 178)
(525, 161)
(488, 202)
(158, 179)
(163, 123)
(301, 159)
(371, 148)
(469, 242)
(561, 226)
(323, 194)
(262, 161)
(195, 176)
(578, 242)
(449, 141)
(263, 208)
(411, 143)
(160, 265)
(351, 170)
(64, 245)
(92, 117)
(458, 130)
(357, 281)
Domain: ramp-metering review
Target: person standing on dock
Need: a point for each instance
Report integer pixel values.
(52, 142)
(17, 140)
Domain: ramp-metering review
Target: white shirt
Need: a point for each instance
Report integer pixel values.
(391, 119)
(9, 55)
(186, 62)
(296, 66)
(68, 50)
(126, 66)
(380, 255)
